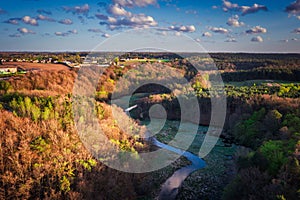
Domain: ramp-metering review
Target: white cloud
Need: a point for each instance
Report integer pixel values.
(84, 10)
(177, 30)
(106, 35)
(164, 33)
(60, 34)
(64, 34)
(14, 21)
(139, 21)
(29, 20)
(121, 18)
(25, 31)
(206, 34)
(285, 40)
(66, 21)
(231, 40)
(190, 28)
(257, 39)
(297, 31)
(293, 8)
(228, 6)
(117, 10)
(112, 20)
(256, 29)
(45, 18)
(178, 33)
(234, 21)
(142, 19)
(113, 27)
(253, 9)
(219, 30)
(132, 3)
(74, 31)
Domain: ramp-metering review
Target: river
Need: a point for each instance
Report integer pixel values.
(169, 189)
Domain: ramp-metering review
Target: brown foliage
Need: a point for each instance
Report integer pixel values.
(45, 82)
(40, 160)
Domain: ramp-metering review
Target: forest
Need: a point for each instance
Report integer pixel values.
(42, 156)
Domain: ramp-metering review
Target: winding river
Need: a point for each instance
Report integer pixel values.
(169, 189)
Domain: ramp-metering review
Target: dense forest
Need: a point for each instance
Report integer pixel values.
(41, 153)
(42, 156)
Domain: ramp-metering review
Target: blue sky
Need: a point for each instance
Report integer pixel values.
(217, 25)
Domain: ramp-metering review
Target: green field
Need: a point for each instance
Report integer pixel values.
(259, 82)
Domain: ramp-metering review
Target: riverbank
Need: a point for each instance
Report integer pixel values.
(170, 188)
(205, 183)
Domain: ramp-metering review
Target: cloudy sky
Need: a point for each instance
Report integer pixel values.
(217, 25)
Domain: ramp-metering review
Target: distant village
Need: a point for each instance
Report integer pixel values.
(76, 60)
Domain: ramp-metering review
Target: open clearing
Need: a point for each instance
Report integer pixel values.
(37, 66)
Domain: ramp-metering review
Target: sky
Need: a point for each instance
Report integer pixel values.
(216, 25)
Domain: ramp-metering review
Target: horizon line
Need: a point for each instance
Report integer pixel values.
(86, 51)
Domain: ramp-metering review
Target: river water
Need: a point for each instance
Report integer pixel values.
(169, 189)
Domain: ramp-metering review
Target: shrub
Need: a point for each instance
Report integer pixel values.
(5, 87)
(247, 132)
(251, 183)
(274, 152)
